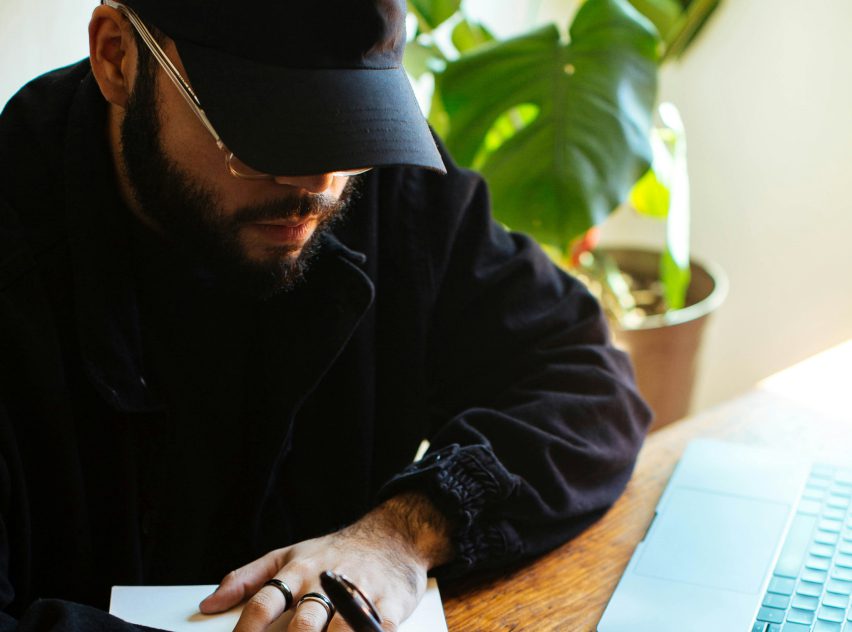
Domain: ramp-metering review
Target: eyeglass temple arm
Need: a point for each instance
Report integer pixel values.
(172, 72)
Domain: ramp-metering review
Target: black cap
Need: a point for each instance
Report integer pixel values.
(301, 87)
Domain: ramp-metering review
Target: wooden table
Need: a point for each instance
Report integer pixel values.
(807, 409)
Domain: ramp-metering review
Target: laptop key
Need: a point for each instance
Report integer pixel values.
(827, 613)
(825, 538)
(838, 489)
(811, 589)
(781, 585)
(795, 546)
(797, 615)
(803, 602)
(822, 550)
(842, 573)
(832, 526)
(776, 601)
(835, 600)
(834, 514)
(770, 615)
(795, 627)
(827, 626)
(818, 563)
(822, 470)
(844, 560)
(839, 586)
(812, 575)
(814, 493)
(839, 501)
(759, 626)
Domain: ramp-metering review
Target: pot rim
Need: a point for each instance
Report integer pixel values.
(691, 312)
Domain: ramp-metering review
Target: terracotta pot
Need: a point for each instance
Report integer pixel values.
(664, 348)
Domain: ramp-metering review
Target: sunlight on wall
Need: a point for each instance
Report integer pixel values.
(38, 36)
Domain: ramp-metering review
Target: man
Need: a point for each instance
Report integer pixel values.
(207, 370)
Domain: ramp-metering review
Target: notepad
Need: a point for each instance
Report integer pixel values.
(175, 608)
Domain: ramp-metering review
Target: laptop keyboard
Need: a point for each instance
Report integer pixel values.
(811, 586)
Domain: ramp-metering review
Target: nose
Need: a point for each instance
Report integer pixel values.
(313, 184)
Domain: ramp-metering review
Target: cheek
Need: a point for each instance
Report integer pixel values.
(185, 140)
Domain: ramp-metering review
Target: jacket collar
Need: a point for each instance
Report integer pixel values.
(332, 300)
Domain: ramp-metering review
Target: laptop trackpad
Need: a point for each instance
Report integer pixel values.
(714, 540)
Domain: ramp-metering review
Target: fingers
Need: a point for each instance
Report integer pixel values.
(268, 604)
(392, 613)
(310, 616)
(338, 625)
(239, 584)
(391, 618)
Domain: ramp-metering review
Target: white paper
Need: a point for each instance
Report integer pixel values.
(175, 608)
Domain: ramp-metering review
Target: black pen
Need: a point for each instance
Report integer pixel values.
(353, 605)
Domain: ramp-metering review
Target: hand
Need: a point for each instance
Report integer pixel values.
(386, 554)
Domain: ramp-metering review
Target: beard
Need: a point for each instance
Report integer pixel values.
(189, 215)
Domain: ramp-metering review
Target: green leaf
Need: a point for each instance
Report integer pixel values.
(675, 280)
(691, 23)
(588, 145)
(431, 13)
(438, 118)
(650, 197)
(468, 35)
(420, 58)
(509, 124)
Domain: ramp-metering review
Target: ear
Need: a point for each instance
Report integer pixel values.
(112, 53)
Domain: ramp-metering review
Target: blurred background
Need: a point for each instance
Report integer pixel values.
(766, 98)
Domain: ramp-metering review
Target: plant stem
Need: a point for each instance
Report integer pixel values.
(691, 21)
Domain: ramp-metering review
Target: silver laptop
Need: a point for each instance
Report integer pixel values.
(743, 539)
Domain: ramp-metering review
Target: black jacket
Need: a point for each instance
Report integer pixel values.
(421, 318)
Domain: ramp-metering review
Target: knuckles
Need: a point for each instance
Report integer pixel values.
(262, 607)
(307, 620)
(389, 626)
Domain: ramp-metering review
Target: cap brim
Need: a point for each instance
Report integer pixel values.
(307, 121)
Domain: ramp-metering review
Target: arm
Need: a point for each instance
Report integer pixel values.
(535, 426)
(536, 419)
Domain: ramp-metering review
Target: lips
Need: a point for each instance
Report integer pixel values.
(286, 232)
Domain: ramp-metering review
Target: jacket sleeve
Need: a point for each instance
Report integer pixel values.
(42, 615)
(536, 418)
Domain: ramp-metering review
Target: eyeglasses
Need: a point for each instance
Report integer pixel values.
(235, 166)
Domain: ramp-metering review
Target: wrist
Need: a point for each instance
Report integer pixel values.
(424, 530)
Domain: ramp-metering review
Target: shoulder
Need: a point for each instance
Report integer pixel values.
(37, 115)
(33, 127)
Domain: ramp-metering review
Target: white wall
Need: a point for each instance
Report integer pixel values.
(38, 36)
(766, 95)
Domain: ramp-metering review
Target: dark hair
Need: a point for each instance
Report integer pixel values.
(146, 65)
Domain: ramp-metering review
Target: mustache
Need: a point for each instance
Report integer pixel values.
(292, 207)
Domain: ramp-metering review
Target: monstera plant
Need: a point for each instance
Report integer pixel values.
(562, 126)
(559, 125)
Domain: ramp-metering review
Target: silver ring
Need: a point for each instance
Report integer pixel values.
(285, 590)
(320, 599)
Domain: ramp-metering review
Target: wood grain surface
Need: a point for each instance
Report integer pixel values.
(568, 589)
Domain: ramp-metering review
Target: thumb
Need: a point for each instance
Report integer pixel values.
(240, 584)
(228, 594)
